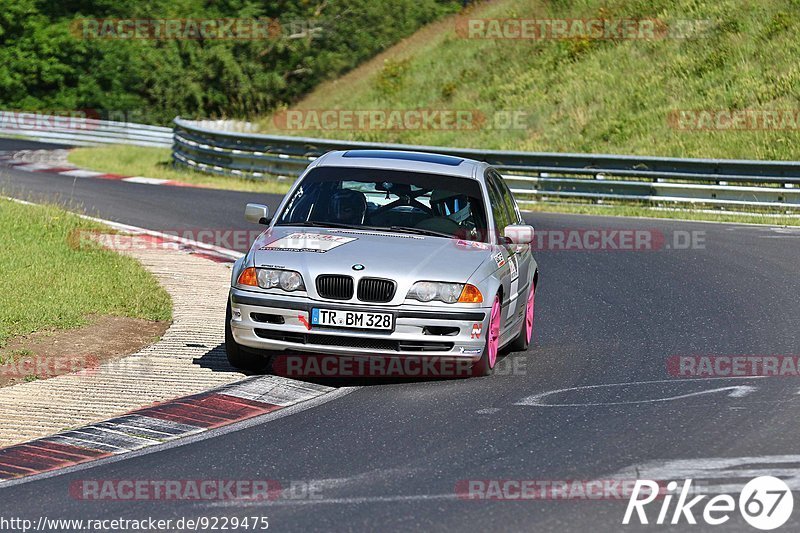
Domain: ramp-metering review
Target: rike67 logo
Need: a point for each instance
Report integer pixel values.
(765, 503)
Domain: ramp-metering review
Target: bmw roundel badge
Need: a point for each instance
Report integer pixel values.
(358, 266)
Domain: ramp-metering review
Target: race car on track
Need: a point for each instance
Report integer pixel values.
(386, 254)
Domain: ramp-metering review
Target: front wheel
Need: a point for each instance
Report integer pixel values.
(238, 357)
(485, 365)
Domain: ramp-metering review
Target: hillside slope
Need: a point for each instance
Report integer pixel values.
(590, 95)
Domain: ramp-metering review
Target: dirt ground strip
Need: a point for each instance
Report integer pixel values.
(188, 359)
(46, 354)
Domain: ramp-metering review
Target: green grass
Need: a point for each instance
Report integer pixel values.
(650, 212)
(45, 283)
(157, 163)
(598, 96)
(13, 355)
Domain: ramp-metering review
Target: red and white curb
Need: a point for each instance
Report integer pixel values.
(155, 425)
(12, 160)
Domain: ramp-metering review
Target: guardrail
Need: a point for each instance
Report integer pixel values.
(773, 185)
(79, 131)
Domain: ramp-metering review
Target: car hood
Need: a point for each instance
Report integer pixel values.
(404, 258)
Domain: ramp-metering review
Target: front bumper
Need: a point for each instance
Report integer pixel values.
(282, 324)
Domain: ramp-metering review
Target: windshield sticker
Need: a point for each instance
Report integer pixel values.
(386, 233)
(307, 242)
(472, 245)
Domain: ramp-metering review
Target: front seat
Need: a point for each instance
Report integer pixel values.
(347, 207)
(450, 209)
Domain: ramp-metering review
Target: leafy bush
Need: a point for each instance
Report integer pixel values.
(46, 65)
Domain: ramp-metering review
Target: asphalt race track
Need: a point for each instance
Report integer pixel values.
(390, 456)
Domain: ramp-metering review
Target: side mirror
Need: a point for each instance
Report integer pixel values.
(256, 213)
(519, 234)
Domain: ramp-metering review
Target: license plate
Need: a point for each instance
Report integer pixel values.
(351, 319)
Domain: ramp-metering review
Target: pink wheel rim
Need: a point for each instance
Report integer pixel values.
(529, 316)
(493, 341)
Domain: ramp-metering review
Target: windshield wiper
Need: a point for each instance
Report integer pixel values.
(314, 224)
(419, 231)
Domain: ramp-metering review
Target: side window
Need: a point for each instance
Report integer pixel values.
(499, 209)
(508, 198)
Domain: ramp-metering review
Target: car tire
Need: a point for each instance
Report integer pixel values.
(485, 365)
(238, 356)
(523, 340)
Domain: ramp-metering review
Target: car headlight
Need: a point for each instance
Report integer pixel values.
(450, 293)
(288, 280)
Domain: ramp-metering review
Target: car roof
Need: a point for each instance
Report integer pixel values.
(404, 160)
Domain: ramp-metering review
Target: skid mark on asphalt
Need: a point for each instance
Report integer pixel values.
(353, 500)
(732, 391)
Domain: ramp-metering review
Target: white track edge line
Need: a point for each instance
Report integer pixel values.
(227, 252)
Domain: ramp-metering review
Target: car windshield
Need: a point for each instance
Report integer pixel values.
(390, 200)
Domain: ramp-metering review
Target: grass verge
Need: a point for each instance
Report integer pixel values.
(654, 212)
(157, 163)
(47, 284)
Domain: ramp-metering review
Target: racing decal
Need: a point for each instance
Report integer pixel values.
(304, 321)
(499, 259)
(471, 351)
(307, 242)
(476, 330)
(513, 266)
